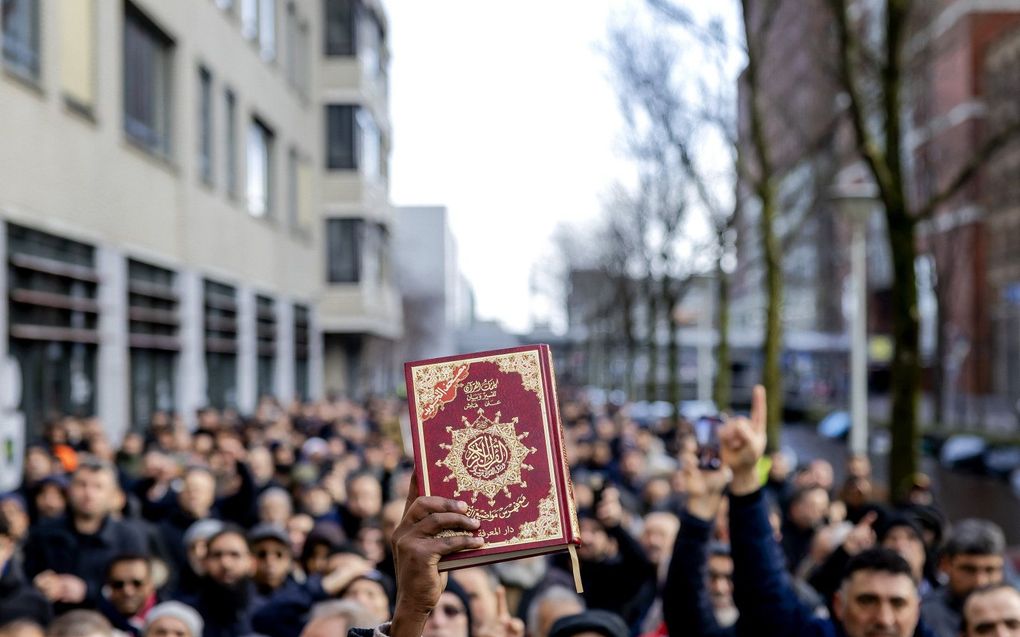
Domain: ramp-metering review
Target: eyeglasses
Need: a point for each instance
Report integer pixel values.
(450, 610)
(120, 584)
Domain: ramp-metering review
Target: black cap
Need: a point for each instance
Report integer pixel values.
(599, 621)
(896, 520)
(267, 531)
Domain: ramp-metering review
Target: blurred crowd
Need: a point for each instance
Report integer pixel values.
(282, 524)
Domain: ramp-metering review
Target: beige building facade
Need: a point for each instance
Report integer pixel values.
(166, 203)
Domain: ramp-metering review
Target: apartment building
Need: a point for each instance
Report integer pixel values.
(360, 306)
(193, 195)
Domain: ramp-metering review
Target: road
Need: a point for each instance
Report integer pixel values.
(959, 495)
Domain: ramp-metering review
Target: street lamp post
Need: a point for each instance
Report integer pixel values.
(855, 201)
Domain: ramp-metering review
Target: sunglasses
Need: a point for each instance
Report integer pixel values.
(121, 584)
(450, 610)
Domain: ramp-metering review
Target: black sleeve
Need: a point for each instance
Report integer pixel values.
(686, 605)
(827, 577)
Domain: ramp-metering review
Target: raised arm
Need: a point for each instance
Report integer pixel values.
(762, 588)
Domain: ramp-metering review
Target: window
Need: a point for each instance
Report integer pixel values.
(205, 126)
(301, 332)
(344, 239)
(368, 135)
(250, 19)
(265, 334)
(340, 152)
(147, 94)
(260, 163)
(267, 29)
(53, 330)
(296, 43)
(21, 36)
(153, 325)
(221, 344)
(230, 142)
(293, 187)
(341, 27)
(78, 53)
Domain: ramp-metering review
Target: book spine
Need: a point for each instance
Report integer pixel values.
(568, 514)
(416, 433)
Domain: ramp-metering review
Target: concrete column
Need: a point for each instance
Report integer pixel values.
(191, 371)
(112, 382)
(283, 383)
(316, 356)
(12, 422)
(247, 351)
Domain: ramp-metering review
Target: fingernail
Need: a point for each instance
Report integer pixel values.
(475, 523)
(462, 506)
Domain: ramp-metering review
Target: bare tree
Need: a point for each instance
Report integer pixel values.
(873, 72)
(645, 66)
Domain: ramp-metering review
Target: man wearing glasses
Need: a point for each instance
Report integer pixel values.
(129, 593)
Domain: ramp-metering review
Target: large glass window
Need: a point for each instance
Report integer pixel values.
(147, 72)
(221, 344)
(260, 164)
(205, 125)
(301, 339)
(265, 333)
(341, 153)
(368, 134)
(53, 316)
(267, 29)
(153, 325)
(344, 242)
(341, 27)
(20, 23)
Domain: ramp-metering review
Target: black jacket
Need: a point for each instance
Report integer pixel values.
(686, 605)
(59, 547)
(618, 585)
(227, 612)
(19, 599)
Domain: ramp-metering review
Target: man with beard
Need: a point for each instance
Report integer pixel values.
(129, 593)
(226, 594)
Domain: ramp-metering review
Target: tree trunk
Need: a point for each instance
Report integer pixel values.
(723, 373)
(765, 189)
(906, 367)
(652, 379)
(672, 351)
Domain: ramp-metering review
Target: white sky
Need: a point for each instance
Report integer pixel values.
(502, 111)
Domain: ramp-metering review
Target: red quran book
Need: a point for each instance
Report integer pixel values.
(486, 430)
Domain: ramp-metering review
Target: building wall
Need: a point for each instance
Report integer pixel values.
(68, 168)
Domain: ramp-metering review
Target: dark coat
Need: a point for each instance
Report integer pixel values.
(19, 599)
(227, 612)
(686, 605)
(59, 547)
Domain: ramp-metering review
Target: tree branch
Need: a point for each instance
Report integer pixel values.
(992, 145)
(866, 142)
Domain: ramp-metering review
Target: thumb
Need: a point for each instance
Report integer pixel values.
(868, 520)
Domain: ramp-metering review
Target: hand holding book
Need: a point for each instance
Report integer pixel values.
(427, 532)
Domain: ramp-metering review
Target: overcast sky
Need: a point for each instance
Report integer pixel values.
(502, 111)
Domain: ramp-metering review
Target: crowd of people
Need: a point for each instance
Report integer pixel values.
(306, 522)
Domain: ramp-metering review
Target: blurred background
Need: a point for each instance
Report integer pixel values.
(207, 202)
